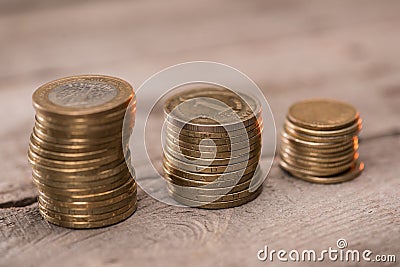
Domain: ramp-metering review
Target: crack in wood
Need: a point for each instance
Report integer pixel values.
(26, 201)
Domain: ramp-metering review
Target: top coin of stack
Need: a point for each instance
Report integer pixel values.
(212, 147)
(76, 151)
(319, 141)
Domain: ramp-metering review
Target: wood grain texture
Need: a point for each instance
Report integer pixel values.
(292, 49)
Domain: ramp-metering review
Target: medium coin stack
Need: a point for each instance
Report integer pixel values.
(212, 146)
(319, 141)
(76, 151)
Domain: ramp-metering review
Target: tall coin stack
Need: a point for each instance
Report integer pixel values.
(319, 141)
(76, 151)
(212, 147)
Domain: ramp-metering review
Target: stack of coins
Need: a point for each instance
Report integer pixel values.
(212, 147)
(76, 151)
(319, 141)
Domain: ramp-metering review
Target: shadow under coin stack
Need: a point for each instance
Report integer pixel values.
(212, 147)
(319, 142)
(76, 151)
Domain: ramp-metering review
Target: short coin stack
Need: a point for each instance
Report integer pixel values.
(212, 147)
(76, 151)
(319, 142)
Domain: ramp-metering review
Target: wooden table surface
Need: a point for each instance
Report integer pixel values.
(348, 50)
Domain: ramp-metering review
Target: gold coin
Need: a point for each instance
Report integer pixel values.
(324, 139)
(212, 142)
(82, 191)
(85, 217)
(80, 148)
(250, 130)
(218, 141)
(210, 169)
(211, 189)
(216, 204)
(320, 144)
(77, 183)
(87, 211)
(93, 197)
(210, 154)
(89, 170)
(317, 157)
(211, 162)
(325, 114)
(352, 173)
(313, 171)
(220, 106)
(321, 152)
(68, 155)
(204, 177)
(77, 141)
(318, 165)
(87, 176)
(87, 225)
(79, 122)
(64, 164)
(82, 95)
(323, 148)
(211, 198)
(350, 130)
(88, 204)
(82, 134)
(251, 144)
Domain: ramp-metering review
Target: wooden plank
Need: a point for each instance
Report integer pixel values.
(289, 214)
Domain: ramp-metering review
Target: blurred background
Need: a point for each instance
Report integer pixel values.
(292, 49)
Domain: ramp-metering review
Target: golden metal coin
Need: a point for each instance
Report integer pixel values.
(320, 166)
(211, 110)
(210, 169)
(320, 144)
(116, 129)
(352, 173)
(211, 189)
(64, 164)
(211, 198)
(93, 197)
(76, 176)
(212, 142)
(88, 225)
(238, 189)
(77, 141)
(85, 217)
(315, 157)
(210, 154)
(251, 144)
(216, 204)
(250, 130)
(314, 171)
(73, 184)
(67, 155)
(207, 177)
(211, 162)
(88, 211)
(88, 204)
(87, 170)
(350, 130)
(82, 191)
(318, 139)
(322, 114)
(82, 95)
(80, 148)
